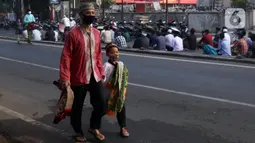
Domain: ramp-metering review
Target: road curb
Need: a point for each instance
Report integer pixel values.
(162, 53)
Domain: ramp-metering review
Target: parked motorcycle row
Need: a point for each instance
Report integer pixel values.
(7, 24)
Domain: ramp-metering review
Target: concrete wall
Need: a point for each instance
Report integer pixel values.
(197, 20)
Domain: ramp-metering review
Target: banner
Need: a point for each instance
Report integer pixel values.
(161, 1)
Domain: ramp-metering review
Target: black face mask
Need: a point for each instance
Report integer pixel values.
(87, 19)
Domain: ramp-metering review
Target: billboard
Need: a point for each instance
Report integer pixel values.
(54, 1)
(161, 1)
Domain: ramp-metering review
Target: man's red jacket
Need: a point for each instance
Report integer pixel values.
(75, 59)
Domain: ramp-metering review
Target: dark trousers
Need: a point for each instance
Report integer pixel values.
(121, 117)
(169, 48)
(97, 100)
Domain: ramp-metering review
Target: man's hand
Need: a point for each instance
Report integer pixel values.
(64, 84)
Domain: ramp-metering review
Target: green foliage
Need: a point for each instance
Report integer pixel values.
(108, 2)
(239, 3)
(6, 6)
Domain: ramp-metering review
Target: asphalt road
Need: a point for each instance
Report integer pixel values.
(169, 100)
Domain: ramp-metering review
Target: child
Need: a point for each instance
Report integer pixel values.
(116, 79)
(19, 30)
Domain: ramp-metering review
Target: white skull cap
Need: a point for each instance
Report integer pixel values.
(175, 29)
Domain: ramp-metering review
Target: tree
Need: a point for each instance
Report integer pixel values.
(107, 3)
(240, 3)
(6, 5)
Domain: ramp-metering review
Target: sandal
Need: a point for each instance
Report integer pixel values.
(80, 139)
(124, 132)
(97, 135)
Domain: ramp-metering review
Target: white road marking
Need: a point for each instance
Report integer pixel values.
(34, 122)
(149, 87)
(159, 58)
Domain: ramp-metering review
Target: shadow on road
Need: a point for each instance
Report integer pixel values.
(143, 131)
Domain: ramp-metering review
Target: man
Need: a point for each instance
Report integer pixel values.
(50, 35)
(81, 68)
(226, 35)
(216, 37)
(161, 42)
(169, 40)
(72, 22)
(192, 40)
(106, 35)
(67, 25)
(28, 20)
(224, 49)
(178, 42)
(120, 40)
(242, 44)
(142, 42)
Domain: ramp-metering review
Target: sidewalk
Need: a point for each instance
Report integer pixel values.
(14, 130)
(185, 54)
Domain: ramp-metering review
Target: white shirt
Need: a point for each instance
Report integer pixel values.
(106, 36)
(169, 40)
(177, 44)
(56, 36)
(108, 69)
(227, 38)
(37, 35)
(72, 23)
(66, 21)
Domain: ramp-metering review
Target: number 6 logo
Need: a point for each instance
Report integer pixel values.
(235, 18)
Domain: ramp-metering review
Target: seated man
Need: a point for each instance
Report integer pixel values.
(177, 42)
(50, 35)
(106, 35)
(120, 40)
(169, 40)
(161, 42)
(224, 48)
(142, 42)
(192, 40)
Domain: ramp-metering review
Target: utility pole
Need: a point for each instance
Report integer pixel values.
(22, 8)
(166, 11)
(122, 10)
(103, 9)
(29, 4)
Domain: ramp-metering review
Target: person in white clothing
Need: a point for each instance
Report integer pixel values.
(37, 35)
(226, 35)
(177, 42)
(106, 36)
(169, 40)
(56, 35)
(66, 21)
(72, 22)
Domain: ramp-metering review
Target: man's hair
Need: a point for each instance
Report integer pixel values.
(192, 31)
(206, 31)
(109, 46)
(222, 35)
